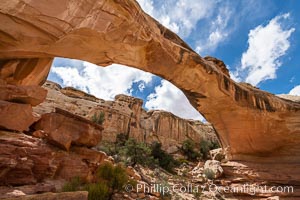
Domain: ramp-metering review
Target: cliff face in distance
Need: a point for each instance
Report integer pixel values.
(125, 115)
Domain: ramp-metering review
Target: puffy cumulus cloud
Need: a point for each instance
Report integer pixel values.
(168, 97)
(102, 82)
(181, 16)
(218, 32)
(266, 45)
(295, 91)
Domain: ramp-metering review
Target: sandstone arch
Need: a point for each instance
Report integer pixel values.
(253, 124)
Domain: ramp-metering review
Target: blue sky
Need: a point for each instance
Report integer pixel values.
(259, 41)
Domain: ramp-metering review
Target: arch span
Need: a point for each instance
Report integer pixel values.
(251, 124)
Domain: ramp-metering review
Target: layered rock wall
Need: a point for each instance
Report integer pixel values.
(125, 115)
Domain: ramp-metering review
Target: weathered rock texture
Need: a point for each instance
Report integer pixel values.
(80, 195)
(32, 95)
(125, 115)
(14, 116)
(26, 160)
(256, 125)
(63, 129)
(16, 103)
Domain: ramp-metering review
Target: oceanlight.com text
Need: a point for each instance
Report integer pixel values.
(192, 188)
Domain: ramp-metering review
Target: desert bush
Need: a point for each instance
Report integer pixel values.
(206, 146)
(98, 118)
(188, 149)
(165, 160)
(97, 191)
(121, 139)
(114, 177)
(138, 152)
(73, 185)
(107, 147)
(209, 173)
(109, 180)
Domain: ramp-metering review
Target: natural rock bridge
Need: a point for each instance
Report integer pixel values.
(254, 125)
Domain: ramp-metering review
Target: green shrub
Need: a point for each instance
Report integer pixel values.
(121, 139)
(114, 177)
(98, 118)
(97, 191)
(165, 160)
(182, 161)
(188, 149)
(197, 194)
(138, 152)
(206, 146)
(107, 147)
(73, 185)
(109, 180)
(209, 173)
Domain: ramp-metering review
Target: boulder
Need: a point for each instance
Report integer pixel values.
(14, 116)
(133, 173)
(8, 191)
(26, 160)
(31, 71)
(217, 154)
(32, 95)
(63, 128)
(213, 166)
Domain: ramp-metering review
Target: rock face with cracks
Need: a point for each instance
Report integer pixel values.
(26, 160)
(252, 124)
(124, 115)
(64, 128)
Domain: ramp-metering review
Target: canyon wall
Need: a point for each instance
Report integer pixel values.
(125, 115)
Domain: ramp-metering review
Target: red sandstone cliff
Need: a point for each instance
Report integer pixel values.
(125, 115)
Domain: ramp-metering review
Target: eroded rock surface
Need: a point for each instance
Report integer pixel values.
(26, 160)
(32, 95)
(125, 115)
(255, 125)
(79, 195)
(64, 128)
(15, 116)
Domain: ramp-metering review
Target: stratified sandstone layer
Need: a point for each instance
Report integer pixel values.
(64, 128)
(26, 160)
(125, 115)
(253, 124)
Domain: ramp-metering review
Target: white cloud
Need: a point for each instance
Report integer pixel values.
(107, 82)
(170, 98)
(181, 16)
(102, 82)
(219, 31)
(266, 45)
(141, 87)
(295, 91)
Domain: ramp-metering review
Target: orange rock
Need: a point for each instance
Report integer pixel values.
(27, 160)
(14, 116)
(64, 128)
(219, 63)
(126, 115)
(32, 95)
(119, 32)
(78, 195)
(133, 173)
(31, 71)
